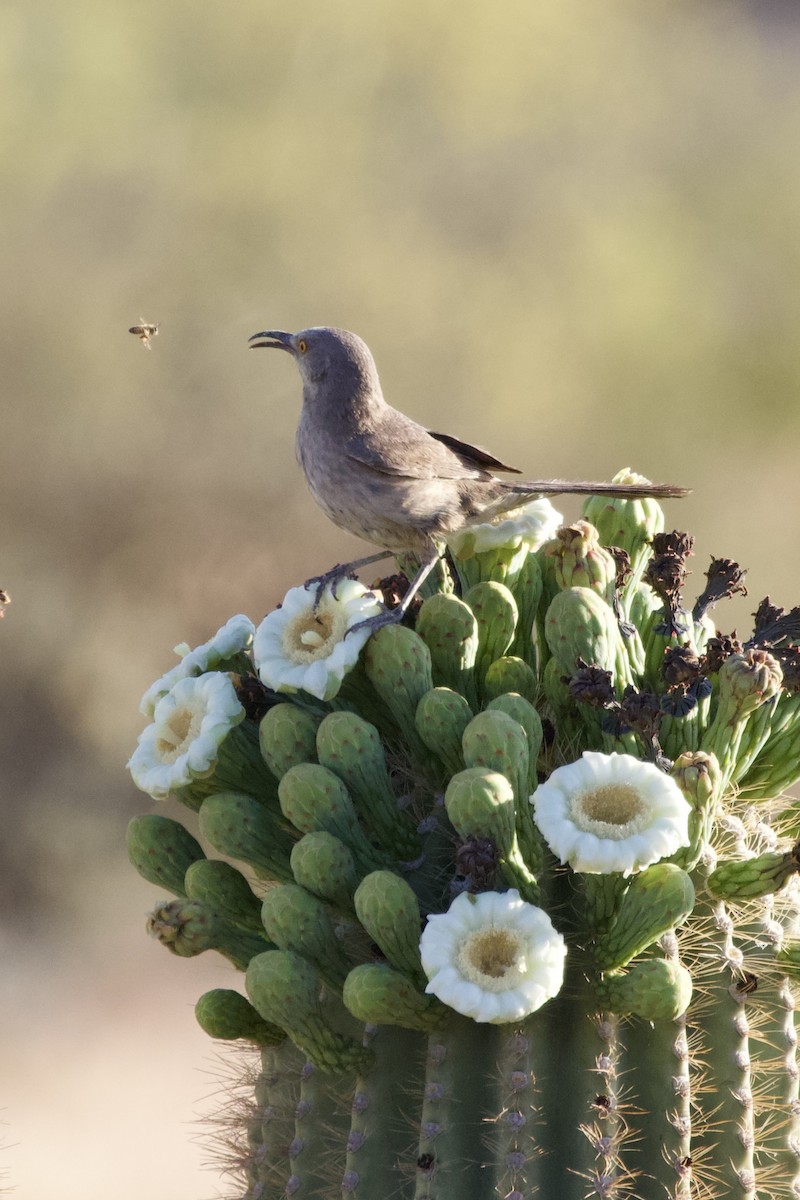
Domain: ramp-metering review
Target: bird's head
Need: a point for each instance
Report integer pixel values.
(332, 359)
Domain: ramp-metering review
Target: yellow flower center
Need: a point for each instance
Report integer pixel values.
(312, 635)
(491, 959)
(175, 734)
(613, 811)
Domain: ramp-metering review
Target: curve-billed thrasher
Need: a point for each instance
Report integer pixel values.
(385, 478)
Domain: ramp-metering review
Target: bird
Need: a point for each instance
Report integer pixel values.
(380, 475)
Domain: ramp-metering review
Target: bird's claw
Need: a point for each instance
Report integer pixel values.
(389, 616)
(328, 579)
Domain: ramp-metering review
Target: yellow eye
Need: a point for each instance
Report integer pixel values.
(302, 346)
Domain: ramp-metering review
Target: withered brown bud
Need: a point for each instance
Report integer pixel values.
(681, 544)
(476, 860)
(717, 650)
(255, 699)
(724, 578)
(680, 665)
(591, 685)
(774, 626)
(623, 564)
(641, 712)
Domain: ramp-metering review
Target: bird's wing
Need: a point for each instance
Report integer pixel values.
(406, 450)
(473, 454)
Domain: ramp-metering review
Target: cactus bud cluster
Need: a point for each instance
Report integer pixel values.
(515, 889)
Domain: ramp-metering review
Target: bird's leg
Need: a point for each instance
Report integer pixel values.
(341, 571)
(391, 616)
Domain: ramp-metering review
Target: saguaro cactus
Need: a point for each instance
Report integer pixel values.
(517, 912)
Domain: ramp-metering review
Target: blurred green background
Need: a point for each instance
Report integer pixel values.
(569, 232)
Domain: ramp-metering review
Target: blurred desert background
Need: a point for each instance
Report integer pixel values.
(569, 232)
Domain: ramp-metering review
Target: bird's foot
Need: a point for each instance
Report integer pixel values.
(389, 616)
(329, 579)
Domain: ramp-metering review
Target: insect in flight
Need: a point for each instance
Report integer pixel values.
(144, 332)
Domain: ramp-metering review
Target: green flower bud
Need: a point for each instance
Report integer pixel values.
(496, 613)
(189, 927)
(389, 911)
(449, 629)
(351, 748)
(237, 825)
(313, 798)
(698, 776)
(285, 989)
(747, 681)
(295, 920)
(287, 735)
(580, 560)
(185, 927)
(657, 899)
(495, 740)
(629, 524)
(161, 850)
(220, 886)
(526, 587)
(525, 714)
(324, 866)
(509, 674)
(398, 665)
(380, 995)
(579, 624)
(657, 989)
(749, 878)
(228, 1016)
(480, 803)
(442, 716)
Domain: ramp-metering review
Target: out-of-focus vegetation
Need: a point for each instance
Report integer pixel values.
(569, 231)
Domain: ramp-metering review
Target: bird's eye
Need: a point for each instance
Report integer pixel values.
(302, 346)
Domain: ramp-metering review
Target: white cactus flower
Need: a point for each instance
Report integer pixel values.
(235, 637)
(493, 957)
(611, 812)
(528, 527)
(298, 647)
(190, 723)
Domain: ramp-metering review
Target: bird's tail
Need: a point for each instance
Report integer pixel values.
(622, 491)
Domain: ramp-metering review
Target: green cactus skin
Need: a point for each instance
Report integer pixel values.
(297, 921)
(510, 674)
(496, 613)
(496, 740)
(666, 1067)
(189, 927)
(527, 587)
(223, 888)
(389, 911)
(450, 630)
(398, 666)
(314, 799)
(351, 747)
(285, 988)
(655, 901)
(238, 825)
(287, 735)
(161, 850)
(442, 716)
(227, 1015)
(762, 875)
(323, 865)
(480, 803)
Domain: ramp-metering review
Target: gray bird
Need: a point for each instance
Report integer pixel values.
(388, 480)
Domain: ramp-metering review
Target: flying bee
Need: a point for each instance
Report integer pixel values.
(144, 332)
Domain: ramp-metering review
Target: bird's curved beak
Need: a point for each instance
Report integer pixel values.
(273, 338)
